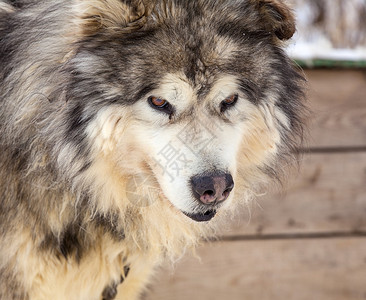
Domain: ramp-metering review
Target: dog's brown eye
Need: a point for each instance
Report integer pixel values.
(228, 102)
(158, 102)
(162, 105)
(231, 100)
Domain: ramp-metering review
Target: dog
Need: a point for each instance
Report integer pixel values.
(131, 131)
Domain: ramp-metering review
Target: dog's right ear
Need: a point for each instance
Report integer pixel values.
(93, 16)
(276, 17)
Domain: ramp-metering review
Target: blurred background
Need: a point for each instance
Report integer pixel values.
(307, 241)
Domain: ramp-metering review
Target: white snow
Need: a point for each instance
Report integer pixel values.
(323, 50)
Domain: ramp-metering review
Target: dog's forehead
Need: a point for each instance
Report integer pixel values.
(199, 60)
(206, 56)
(212, 58)
(197, 45)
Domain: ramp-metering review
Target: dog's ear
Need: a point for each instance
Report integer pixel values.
(93, 16)
(277, 17)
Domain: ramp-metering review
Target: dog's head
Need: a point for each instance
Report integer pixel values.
(197, 96)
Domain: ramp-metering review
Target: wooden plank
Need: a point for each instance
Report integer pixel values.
(331, 269)
(338, 101)
(329, 195)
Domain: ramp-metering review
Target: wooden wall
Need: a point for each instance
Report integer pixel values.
(309, 241)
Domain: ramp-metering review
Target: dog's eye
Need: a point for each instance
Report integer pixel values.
(158, 102)
(228, 102)
(161, 104)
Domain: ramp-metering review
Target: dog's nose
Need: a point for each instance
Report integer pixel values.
(212, 187)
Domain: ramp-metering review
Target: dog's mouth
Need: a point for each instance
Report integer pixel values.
(202, 217)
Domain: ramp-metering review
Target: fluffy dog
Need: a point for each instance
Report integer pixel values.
(130, 130)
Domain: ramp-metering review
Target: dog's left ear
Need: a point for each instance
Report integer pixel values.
(277, 17)
(93, 16)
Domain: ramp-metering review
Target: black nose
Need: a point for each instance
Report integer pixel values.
(213, 187)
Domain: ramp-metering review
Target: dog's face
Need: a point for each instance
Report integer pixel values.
(191, 141)
(199, 98)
